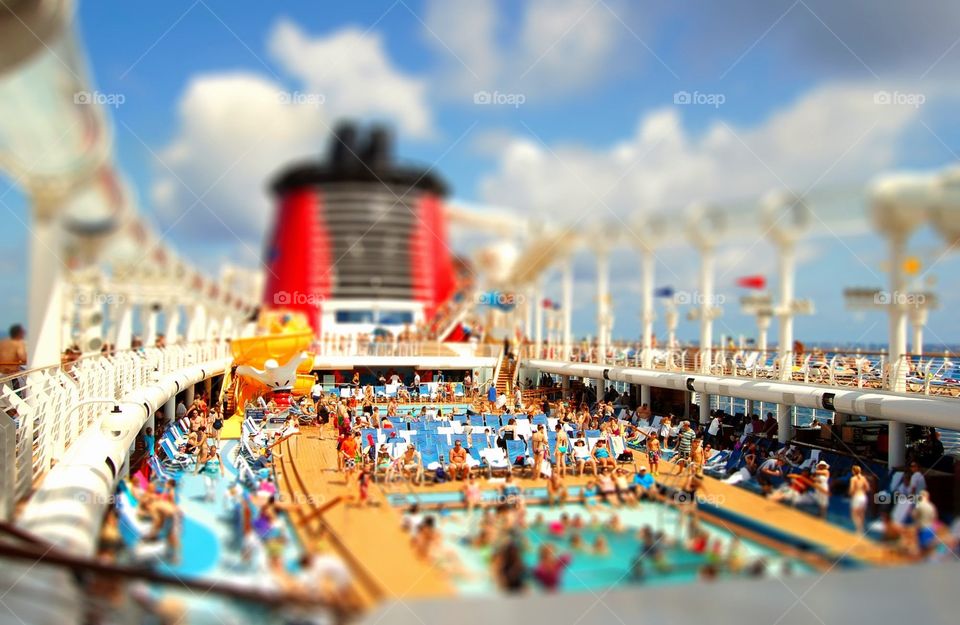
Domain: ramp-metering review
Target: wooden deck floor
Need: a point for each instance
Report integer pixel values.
(374, 545)
(370, 539)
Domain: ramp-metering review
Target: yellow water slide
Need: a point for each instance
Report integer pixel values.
(284, 337)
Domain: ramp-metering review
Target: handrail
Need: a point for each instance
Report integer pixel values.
(933, 376)
(39, 551)
(49, 404)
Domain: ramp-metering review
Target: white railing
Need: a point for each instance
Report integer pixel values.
(354, 346)
(930, 375)
(46, 407)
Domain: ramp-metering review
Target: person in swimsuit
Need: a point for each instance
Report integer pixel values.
(383, 458)
(471, 494)
(549, 568)
(821, 487)
(582, 456)
(560, 454)
(556, 490)
(859, 488)
(541, 449)
(349, 449)
(696, 457)
(411, 464)
(665, 431)
(602, 456)
(653, 455)
(212, 470)
(459, 469)
(608, 489)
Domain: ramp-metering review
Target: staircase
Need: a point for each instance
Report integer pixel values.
(231, 397)
(506, 375)
(444, 325)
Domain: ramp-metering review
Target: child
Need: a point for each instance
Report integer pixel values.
(150, 442)
(363, 483)
(653, 454)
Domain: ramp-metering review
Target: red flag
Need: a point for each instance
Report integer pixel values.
(752, 282)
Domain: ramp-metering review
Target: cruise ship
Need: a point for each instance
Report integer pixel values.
(375, 428)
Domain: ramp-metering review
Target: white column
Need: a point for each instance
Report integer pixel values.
(567, 284)
(897, 376)
(603, 303)
(647, 312)
(123, 326)
(196, 323)
(226, 328)
(148, 317)
(538, 311)
(785, 346)
(671, 318)
(172, 323)
(918, 317)
(45, 304)
(763, 325)
(897, 452)
(706, 307)
(169, 411)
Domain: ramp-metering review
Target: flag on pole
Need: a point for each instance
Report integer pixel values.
(664, 291)
(752, 282)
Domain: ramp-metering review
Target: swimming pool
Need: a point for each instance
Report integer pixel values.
(589, 572)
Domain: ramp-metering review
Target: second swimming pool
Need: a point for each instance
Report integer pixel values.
(589, 571)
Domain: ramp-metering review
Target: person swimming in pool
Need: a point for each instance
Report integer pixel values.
(600, 546)
(576, 541)
(589, 494)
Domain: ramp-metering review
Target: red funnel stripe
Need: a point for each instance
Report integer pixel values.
(752, 282)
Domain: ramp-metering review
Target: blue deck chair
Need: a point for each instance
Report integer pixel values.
(175, 460)
(515, 449)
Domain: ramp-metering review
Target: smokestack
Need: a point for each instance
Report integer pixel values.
(379, 150)
(345, 149)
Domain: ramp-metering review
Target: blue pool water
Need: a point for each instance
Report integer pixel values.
(590, 572)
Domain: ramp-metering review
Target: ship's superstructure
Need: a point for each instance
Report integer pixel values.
(359, 241)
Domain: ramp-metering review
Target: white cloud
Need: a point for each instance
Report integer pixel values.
(554, 47)
(236, 130)
(834, 133)
(352, 72)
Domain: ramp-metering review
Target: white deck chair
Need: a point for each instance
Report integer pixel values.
(142, 550)
(524, 429)
(740, 476)
(810, 462)
(495, 459)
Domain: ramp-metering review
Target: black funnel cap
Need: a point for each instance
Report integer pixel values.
(378, 155)
(359, 157)
(345, 148)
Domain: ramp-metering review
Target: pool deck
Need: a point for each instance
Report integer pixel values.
(375, 546)
(370, 539)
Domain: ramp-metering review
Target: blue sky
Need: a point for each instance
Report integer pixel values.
(787, 91)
